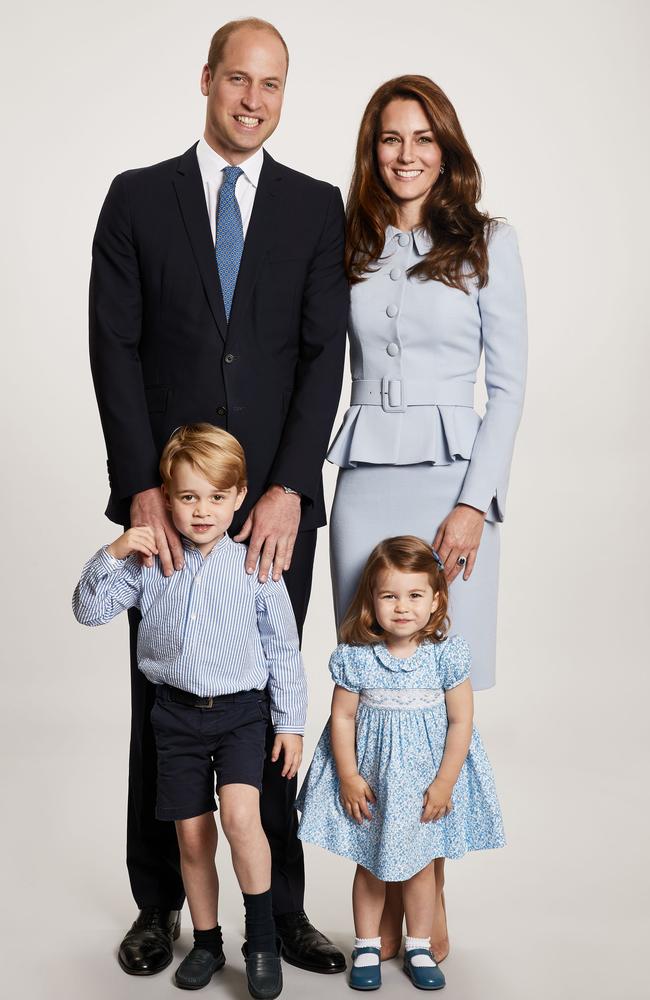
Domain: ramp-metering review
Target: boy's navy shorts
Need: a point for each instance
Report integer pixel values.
(228, 739)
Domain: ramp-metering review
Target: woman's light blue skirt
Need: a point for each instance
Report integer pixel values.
(373, 502)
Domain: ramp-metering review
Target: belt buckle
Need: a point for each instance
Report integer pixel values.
(386, 404)
(209, 701)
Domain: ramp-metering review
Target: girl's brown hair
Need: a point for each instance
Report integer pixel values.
(407, 554)
(458, 229)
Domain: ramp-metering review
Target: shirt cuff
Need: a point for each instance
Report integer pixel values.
(107, 561)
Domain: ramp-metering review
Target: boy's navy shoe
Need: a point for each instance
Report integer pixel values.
(197, 968)
(365, 977)
(306, 947)
(149, 946)
(263, 972)
(425, 977)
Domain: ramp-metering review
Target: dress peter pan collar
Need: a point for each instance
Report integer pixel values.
(394, 663)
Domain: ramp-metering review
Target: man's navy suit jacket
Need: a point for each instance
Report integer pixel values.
(163, 354)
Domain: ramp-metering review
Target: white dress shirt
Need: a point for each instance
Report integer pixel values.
(211, 166)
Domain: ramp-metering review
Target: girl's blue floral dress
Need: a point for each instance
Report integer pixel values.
(401, 729)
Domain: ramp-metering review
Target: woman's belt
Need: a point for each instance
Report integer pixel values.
(395, 394)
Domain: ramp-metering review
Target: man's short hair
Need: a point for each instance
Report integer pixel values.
(215, 453)
(220, 37)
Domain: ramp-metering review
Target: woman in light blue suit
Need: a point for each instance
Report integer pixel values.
(436, 282)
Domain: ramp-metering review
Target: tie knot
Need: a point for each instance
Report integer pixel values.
(230, 175)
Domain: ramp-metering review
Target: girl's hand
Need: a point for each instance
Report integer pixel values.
(459, 535)
(437, 801)
(291, 743)
(134, 540)
(355, 794)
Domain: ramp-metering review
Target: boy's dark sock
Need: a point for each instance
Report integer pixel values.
(260, 926)
(211, 940)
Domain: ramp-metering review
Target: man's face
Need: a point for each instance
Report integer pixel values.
(244, 93)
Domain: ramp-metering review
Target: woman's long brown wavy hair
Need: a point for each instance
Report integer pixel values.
(458, 229)
(408, 554)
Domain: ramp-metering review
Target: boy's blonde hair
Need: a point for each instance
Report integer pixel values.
(214, 452)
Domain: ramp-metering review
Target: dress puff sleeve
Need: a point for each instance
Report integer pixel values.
(455, 662)
(343, 668)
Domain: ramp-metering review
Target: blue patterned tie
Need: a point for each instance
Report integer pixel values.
(229, 244)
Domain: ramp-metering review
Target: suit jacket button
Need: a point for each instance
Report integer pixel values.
(221, 411)
(229, 358)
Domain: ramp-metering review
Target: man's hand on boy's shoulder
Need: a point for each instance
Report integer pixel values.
(140, 540)
(272, 526)
(148, 509)
(291, 744)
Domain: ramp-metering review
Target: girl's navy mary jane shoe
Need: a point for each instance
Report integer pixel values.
(365, 977)
(425, 977)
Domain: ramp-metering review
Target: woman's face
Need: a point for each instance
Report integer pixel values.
(408, 155)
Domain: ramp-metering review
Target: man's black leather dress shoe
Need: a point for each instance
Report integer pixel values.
(197, 969)
(263, 972)
(306, 947)
(148, 947)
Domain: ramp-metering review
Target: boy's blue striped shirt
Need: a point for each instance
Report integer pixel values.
(210, 628)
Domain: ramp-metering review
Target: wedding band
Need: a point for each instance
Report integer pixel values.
(461, 560)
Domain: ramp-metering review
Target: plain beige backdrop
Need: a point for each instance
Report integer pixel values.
(553, 97)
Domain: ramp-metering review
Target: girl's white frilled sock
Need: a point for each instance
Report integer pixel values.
(420, 960)
(367, 958)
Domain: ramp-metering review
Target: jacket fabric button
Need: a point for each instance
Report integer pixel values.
(392, 350)
(229, 358)
(221, 411)
(396, 273)
(403, 240)
(392, 310)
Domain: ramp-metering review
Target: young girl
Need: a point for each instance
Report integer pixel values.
(399, 776)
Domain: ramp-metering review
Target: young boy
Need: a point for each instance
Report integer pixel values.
(212, 637)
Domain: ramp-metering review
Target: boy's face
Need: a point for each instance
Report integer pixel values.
(200, 510)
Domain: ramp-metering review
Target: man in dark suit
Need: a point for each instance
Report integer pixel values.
(218, 294)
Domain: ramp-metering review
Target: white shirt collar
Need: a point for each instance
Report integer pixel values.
(211, 164)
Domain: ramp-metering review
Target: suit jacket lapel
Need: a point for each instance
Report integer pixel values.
(189, 190)
(260, 231)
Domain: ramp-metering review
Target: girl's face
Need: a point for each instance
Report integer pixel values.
(403, 602)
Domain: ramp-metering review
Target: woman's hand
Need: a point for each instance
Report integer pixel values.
(355, 794)
(459, 535)
(437, 801)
